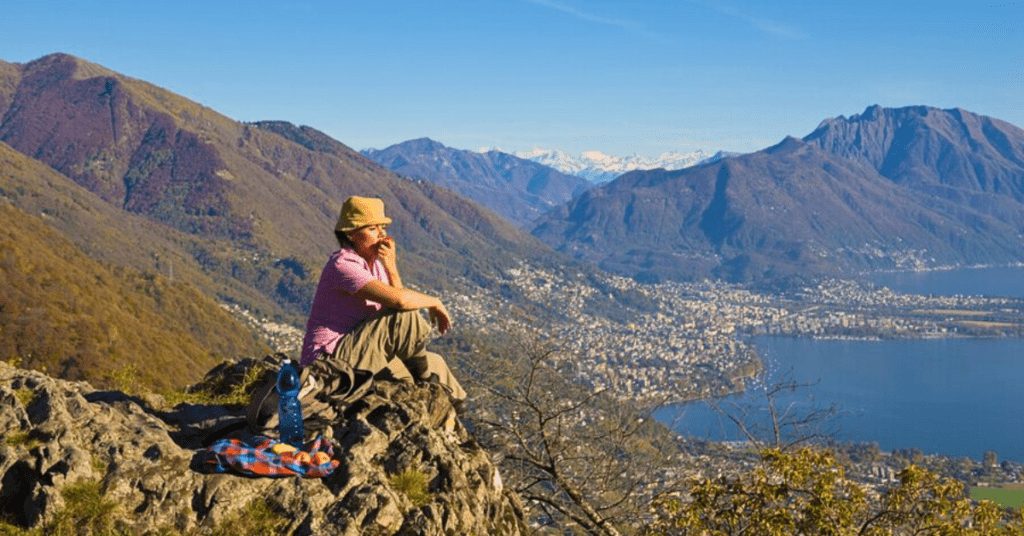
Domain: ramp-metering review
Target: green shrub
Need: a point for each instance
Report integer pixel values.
(237, 394)
(21, 439)
(25, 396)
(124, 378)
(86, 511)
(413, 484)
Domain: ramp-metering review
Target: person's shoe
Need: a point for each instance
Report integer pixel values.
(459, 405)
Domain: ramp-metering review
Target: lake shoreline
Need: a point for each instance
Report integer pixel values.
(905, 393)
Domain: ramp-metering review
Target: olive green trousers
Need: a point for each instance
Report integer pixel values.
(392, 345)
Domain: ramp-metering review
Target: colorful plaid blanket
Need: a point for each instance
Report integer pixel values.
(263, 456)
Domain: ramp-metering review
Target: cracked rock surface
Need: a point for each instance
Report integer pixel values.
(59, 433)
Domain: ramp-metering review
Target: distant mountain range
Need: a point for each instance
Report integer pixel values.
(599, 168)
(913, 187)
(907, 188)
(523, 186)
(517, 189)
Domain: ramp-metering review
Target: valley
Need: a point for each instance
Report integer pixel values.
(679, 341)
(670, 342)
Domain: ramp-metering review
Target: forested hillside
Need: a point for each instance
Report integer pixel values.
(69, 315)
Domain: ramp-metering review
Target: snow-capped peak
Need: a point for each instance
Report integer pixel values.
(596, 166)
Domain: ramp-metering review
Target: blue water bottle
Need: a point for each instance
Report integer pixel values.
(289, 409)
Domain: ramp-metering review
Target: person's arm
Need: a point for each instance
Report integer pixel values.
(389, 258)
(406, 300)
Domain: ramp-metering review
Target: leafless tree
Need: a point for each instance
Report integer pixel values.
(580, 458)
(788, 424)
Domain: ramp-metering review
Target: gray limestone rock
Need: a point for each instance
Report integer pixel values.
(59, 434)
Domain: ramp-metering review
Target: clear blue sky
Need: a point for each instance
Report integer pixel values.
(640, 77)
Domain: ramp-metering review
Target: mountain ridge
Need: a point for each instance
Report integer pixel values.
(517, 189)
(251, 205)
(798, 209)
(952, 148)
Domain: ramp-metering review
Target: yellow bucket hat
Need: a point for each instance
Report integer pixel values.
(357, 212)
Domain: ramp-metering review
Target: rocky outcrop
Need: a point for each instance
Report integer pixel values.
(59, 434)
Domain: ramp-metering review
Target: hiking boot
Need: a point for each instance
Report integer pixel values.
(458, 404)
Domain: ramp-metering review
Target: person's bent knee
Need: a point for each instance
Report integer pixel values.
(411, 320)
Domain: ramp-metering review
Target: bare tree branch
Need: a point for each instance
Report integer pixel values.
(572, 452)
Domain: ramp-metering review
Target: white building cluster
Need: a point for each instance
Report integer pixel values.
(688, 340)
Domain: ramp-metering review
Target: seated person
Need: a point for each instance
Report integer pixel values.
(363, 315)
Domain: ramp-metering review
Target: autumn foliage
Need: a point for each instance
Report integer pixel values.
(807, 492)
(75, 318)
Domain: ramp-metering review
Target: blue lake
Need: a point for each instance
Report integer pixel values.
(958, 397)
(967, 282)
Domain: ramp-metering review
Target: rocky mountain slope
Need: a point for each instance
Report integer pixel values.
(244, 210)
(75, 459)
(909, 188)
(518, 189)
(951, 154)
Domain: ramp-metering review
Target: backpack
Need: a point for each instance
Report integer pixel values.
(328, 386)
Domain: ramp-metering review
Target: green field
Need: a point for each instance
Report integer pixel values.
(1012, 498)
